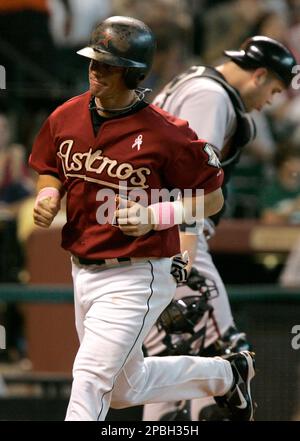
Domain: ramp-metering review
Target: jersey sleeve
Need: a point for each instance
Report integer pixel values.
(209, 114)
(195, 166)
(43, 156)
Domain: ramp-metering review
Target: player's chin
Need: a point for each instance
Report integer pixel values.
(95, 91)
(253, 107)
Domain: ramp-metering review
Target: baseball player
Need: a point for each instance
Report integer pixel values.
(100, 143)
(216, 102)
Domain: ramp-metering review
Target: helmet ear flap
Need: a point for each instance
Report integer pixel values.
(133, 76)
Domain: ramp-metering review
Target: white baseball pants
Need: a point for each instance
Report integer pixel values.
(222, 321)
(222, 312)
(115, 309)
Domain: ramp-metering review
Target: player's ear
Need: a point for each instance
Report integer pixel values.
(260, 76)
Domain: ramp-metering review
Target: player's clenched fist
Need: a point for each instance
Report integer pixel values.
(46, 207)
(133, 219)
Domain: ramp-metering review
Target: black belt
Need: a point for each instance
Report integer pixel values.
(83, 261)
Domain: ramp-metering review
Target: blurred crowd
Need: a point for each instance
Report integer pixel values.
(38, 43)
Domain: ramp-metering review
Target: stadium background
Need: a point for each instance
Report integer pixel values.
(258, 261)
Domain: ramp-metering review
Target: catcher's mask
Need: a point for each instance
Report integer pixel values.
(125, 42)
(182, 315)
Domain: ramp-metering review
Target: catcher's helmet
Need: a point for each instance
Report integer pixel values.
(260, 51)
(125, 42)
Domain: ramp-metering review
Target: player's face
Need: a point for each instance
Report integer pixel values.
(106, 81)
(262, 92)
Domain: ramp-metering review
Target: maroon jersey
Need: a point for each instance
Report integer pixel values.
(149, 149)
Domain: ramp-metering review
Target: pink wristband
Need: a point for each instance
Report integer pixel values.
(166, 214)
(47, 192)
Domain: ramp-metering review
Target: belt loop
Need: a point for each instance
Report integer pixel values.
(112, 262)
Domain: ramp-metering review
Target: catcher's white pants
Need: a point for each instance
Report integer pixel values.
(115, 309)
(222, 320)
(222, 312)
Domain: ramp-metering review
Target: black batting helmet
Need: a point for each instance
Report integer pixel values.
(125, 42)
(260, 51)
